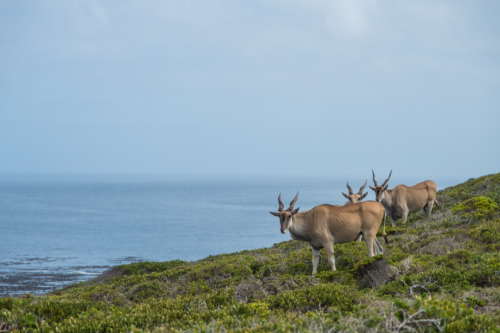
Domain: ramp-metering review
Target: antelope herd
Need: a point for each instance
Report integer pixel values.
(326, 225)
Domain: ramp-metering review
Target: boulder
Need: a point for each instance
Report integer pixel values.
(373, 272)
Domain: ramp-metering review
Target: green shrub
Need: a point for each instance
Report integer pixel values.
(316, 297)
(488, 232)
(340, 277)
(393, 288)
(459, 317)
(347, 255)
(490, 236)
(481, 276)
(494, 193)
(444, 277)
(460, 194)
(473, 301)
(147, 267)
(455, 259)
(389, 230)
(462, 256)
(492, 248)
(146, 290)
(478, 208)
(6, 303)
(221, 298)
(397, 255)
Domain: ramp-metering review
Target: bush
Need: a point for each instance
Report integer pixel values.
(147, 267)
(397, 255)
(494, 193)
(459, 317)
(316, 297)
(6, 303)
(444, 277)
(146, 290)
(478, 208)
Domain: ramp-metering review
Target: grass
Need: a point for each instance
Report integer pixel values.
(444, 276)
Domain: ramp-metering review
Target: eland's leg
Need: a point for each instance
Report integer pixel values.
(330, 252)
(315, 259)
(429, 205)
(404, 217)
(394, 222)
(369, 245)
(378, 247)
(359, 238)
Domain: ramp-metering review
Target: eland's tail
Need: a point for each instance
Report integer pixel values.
(437, 203)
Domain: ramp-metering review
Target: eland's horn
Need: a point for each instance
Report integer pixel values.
(374, 181)
(281, 204)
(350, 189)
(293, 201)
(387, 179)
(362, 188)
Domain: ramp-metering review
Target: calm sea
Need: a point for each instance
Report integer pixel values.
(56, 231)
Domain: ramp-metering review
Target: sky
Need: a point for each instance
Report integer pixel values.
(275, 87)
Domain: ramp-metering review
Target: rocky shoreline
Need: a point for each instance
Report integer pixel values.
(41, 281)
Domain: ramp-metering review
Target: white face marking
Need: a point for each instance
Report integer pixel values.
(290, 223)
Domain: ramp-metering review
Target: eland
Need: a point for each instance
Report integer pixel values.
(355, 197)
(326, 225)
(403, 199)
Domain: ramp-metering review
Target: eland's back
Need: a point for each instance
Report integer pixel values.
(344, 223)
(414, 197)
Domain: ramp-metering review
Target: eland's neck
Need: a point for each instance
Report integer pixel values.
(298, 226)
(387, 199)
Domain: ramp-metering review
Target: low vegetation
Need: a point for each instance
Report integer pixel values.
(444, 276)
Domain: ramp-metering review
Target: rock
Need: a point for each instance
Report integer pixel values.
(374, 271)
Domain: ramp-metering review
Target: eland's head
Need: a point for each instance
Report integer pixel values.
(355, 197)
(380, 189)
(286, 215)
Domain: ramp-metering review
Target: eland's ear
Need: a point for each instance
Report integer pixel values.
(363, 196)
(386, 186)
(295, 211)
(275, 214)
(372, 188)
(345, 195)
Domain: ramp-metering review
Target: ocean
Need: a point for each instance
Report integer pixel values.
(59, 230)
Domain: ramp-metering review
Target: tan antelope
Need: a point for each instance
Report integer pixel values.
(355, 198)
(403, 199)
(326, 225)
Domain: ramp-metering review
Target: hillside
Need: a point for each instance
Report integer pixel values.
(444, 274)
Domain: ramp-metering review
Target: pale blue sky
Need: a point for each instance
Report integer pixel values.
(285, 87)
